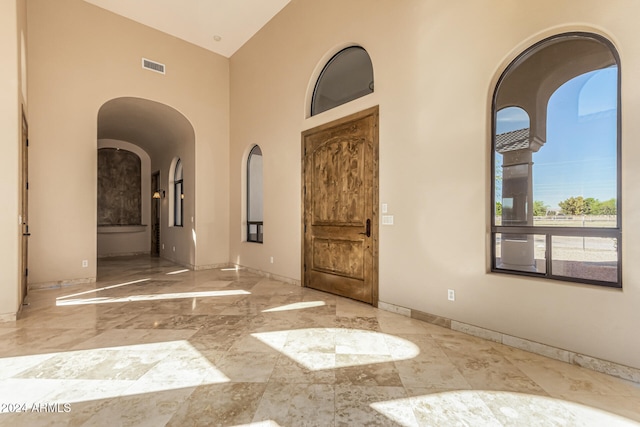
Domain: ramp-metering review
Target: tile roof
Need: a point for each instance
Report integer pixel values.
(511, 141)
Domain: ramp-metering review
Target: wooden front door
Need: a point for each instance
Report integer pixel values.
(340, 200)
(24, 211)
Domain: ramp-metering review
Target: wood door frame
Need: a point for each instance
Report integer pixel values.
(24, 209)
(374, 112)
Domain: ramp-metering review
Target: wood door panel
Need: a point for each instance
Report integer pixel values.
(340, 285)
(338, 168)
(340, 199)
(337, 256)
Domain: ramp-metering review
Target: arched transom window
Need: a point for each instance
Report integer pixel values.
(347, 76)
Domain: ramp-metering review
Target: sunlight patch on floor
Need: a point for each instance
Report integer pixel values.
(103, 288)
(178, 272)
(152, 297)
(330, 348)
(296, 306)
(102, 373)
(476, 407)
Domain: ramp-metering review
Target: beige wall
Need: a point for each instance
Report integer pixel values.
(435, 64)
(12, 87)
(80, 57)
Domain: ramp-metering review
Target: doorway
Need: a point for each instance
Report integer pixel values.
(155, 213)
(340, 207)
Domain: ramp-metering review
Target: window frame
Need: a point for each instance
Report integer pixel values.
(550, 232)
(259, 225)
(178, 196)
(313, 110)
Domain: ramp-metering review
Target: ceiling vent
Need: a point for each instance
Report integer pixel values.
(152, 65)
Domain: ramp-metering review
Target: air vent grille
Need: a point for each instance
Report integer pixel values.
(153, 65)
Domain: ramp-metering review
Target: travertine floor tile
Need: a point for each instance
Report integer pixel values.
(151, 344)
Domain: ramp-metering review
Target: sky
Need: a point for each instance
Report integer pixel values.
(579, 156)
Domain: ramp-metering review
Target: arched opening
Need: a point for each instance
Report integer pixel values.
(158, 134)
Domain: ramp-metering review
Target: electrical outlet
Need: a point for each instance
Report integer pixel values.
(85, 263)
(174, 249)
(271, 260)
(451, 295)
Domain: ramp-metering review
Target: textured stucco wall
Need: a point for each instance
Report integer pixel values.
(119, 187)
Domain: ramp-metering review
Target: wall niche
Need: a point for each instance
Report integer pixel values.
(119, 187)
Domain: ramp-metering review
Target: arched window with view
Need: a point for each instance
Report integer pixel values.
(347, 76)
(254, 196)
(556, 162)
(178, 194)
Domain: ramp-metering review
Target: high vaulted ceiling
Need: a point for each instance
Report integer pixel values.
(221, 26)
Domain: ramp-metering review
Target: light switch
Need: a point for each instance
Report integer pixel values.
(384, 208)
(387, 219)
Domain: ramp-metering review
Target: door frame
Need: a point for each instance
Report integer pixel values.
(24, 209)
(375, 113)
(156, 214)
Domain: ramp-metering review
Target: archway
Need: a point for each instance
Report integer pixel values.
(157, 133)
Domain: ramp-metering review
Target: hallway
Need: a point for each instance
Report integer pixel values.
(153, 344)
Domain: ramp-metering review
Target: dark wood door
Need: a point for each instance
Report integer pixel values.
(340, 199)
(24, 211)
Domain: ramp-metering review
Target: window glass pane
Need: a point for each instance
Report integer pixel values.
(521, 252)
(254, 185)
(592, 258)
(347, 76)
(178, 203)
(178, 174)
(556, 141)
(254, 232)
(254, 195)
(575, 172)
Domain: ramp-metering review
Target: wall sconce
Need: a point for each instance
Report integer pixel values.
(159, 194)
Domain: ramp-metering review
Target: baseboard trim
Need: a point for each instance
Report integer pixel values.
(268, 275)
(8, 317)
(122, 254)
(209, 266)
(585, 361)
(61, 283)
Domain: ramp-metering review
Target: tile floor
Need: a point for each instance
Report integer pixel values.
(150, 344)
